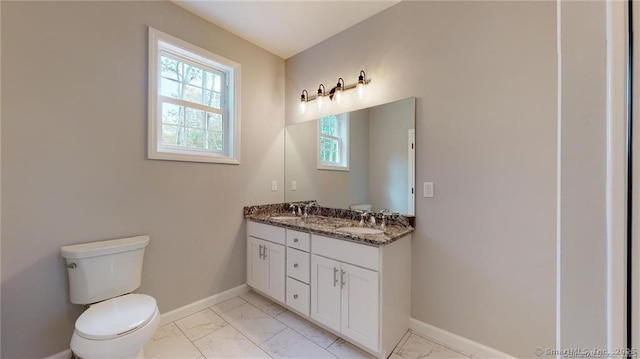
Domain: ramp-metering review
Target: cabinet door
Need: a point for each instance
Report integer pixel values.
(275, 263)
(325, 291)
(256, 268)
(360, 300)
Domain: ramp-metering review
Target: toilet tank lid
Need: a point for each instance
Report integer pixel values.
(116, 317)
(102, 248)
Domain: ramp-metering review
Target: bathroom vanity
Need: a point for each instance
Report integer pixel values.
(356, 285)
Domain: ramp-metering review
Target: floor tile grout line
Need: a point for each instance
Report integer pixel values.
(438, 343)
(287, 310)
(311, 340)
(234, 327)
(190, 341)
(401, 342)
(249, 339)
(185, 333)
(228, 310)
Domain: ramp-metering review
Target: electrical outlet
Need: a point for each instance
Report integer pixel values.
(428, 189)
(294, 185)
(274, 186)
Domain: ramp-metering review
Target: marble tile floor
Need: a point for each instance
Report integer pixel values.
(252, 326)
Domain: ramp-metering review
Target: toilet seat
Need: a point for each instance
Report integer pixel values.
(116, 317)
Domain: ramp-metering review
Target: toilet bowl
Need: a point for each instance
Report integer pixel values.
(116, 328)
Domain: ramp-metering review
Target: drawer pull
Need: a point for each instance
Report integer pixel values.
(295, 296)
(295, 265)
(335, 276)
(342, 283)
(295, 240)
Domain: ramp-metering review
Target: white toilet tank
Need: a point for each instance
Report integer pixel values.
(362, 207)
(105, 269)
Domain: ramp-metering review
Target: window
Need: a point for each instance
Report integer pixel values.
(333, 142)
(194, 102)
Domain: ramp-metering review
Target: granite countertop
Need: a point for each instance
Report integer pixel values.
(325, 221)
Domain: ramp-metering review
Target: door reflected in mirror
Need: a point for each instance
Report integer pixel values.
(363, 159)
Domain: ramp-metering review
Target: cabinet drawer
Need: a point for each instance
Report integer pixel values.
(345, 251)
(298, 264)
(266, 232)
(299, 240)
(298, 296)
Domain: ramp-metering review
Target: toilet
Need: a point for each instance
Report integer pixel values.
(103, 274)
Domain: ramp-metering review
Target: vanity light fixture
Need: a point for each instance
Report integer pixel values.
(335, 93)
(303, 101)
(361, 83)
(320, 95)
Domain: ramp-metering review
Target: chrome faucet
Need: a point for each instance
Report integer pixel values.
(311, 204)
(293, 207)
(385, 213)
(363, 215)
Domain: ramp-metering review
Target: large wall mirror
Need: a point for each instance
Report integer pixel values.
(362, 159)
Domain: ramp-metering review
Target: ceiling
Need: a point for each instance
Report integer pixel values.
(285, 28)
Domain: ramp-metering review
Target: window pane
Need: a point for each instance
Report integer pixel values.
(212, 81)
(195, 118)
(329, 125)
(171, 135)
(195, 138)
(193, 75)
(169, 67)
(193, 94)
(215, 141)
(172, 114)
(170, 88)
(214, 121)
(212, 99)
(328, 150)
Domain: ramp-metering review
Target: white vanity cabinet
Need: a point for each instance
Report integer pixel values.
(345, 298)
(266, 259)
(360, 292)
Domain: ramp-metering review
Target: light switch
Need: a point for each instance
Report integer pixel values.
(428, 189)
(274, 186)
(294, 185)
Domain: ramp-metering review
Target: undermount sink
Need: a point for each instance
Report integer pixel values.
(360, 230)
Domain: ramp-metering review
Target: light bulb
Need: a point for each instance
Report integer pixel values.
(303, 106)
(338, 96)
(320, 100)
(360, 90)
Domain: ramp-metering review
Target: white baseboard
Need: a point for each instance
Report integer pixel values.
(182, 312)
(202, 304)
(456, 342)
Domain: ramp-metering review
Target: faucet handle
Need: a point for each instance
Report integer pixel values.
(363, 215)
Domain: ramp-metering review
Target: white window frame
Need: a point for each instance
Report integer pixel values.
(162, 43)
(343, 144)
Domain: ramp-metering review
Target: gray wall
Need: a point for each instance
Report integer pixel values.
(485, 78)
(583, 162)
(388, 155)
(75, 170)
